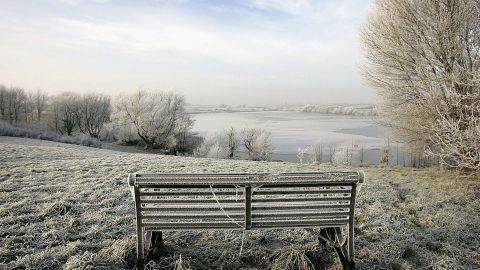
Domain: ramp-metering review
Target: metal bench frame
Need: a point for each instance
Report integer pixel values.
(150, 190)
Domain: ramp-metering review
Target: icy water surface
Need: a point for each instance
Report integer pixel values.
(291, 130)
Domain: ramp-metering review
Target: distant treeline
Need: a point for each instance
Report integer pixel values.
(154, 120)
(356, 110)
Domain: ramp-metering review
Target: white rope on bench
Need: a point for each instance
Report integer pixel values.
(221, 208)
(230, 218)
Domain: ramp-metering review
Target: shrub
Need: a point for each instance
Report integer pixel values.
(212, 147)
(258, 144)
(37, 131)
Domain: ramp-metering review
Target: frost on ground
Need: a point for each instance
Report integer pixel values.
(67, 206)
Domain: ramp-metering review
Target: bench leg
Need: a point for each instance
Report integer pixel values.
(156, 246)
(342, 246)
(351, 247)
(140, 249)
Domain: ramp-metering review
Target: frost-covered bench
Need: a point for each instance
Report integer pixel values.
(247, 201)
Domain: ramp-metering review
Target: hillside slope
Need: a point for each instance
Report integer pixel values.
(67, 206)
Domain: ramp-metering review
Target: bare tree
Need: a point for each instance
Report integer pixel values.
(3, 102)
(28, 107)
(183, 135)
(257, 143)
(16, 98)
(231, 141)
(317, 152)
(155, 115)
(40, 103)
(93, 111)
(423, 58)
(17, 105)
(301, 152)
(65, 108)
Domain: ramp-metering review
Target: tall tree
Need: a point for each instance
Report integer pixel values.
(65, 107)
(92, 113)
(40, 103)
(157, 116)
(423, 58)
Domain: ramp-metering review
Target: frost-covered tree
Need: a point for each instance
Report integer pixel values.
(423, 58)
(232, 142)
(92, 113)
(40, 99)
(3, 102)
(186, 141)
(65, 112)
(213, 146)
(257, 143)
(301, 152)
(155, 115)
(317, 152)
(219, 145)
(13, 104)
(19, 106)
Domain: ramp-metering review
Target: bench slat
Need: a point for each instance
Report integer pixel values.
(193, 215)
(190, 193)
(193, 175)
(192, 200)
(299, 206)
(190, 208)
(186, 186)
(299, 223)
(296, 191)
(190, 225)
(303, 199)
(226, 184)
(298, 214)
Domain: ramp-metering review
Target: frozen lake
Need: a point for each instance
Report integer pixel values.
(291, 130)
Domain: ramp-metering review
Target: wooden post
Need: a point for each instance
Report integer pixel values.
(248, 207)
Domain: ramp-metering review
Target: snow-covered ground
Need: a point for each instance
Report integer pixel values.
(67, 206)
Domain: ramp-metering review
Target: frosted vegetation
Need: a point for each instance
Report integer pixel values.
(256, 143)
(67, 206)
(36, 131)
(426, 73)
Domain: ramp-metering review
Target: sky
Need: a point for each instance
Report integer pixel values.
(253, 52)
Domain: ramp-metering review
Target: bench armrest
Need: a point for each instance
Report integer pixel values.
(361, 179)
(131, 182)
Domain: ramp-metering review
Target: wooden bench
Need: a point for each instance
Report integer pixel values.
(247, 201)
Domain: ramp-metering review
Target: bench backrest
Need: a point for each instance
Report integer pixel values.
(244, 201)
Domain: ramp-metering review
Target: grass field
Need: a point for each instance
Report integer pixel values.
(69, 207)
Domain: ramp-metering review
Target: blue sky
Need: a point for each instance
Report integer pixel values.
(236, 52)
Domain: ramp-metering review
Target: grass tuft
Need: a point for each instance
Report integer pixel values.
(294, 258)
